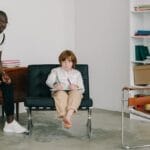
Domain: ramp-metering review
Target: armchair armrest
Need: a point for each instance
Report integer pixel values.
(130, 88)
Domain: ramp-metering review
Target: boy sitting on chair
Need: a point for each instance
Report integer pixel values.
(67, 87)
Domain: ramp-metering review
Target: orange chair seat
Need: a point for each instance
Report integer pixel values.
(139, 102)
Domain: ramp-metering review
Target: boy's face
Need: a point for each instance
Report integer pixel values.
(67, 64)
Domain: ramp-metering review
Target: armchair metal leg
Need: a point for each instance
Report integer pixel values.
(30, 124)
(122, 123)
(89, 123)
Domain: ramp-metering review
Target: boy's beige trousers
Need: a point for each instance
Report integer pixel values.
(65, 101)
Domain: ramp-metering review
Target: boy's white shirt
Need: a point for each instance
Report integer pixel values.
(60, 75)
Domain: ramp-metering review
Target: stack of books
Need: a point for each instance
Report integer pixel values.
(144, 7)
(11, 63)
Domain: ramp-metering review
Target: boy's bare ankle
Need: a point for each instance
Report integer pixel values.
(67, 120)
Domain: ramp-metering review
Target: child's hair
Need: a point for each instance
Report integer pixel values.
(68, 54)
(3, 21)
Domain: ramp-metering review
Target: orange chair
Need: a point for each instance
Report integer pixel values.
(136, 106)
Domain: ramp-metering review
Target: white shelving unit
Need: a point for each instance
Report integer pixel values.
(139, 20)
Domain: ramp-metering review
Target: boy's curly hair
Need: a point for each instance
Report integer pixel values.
(68, 54)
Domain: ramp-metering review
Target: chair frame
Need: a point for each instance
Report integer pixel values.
(123, 100)
(30, 122)
(33, 106)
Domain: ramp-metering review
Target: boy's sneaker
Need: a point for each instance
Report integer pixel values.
(14, 127)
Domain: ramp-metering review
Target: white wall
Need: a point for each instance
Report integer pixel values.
(97, 31)
(38, 29)
(102, 41)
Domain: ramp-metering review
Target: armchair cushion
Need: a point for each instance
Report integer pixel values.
(39, 94)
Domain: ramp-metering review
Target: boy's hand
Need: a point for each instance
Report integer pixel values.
(58, 86)
(73, 87)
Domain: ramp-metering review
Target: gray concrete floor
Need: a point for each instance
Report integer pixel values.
(48, 132)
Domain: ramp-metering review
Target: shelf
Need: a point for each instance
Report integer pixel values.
(141, 62)
(140, 11)
(141, 37)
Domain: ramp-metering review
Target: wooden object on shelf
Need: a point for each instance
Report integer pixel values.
(141, 74)
(18, 76)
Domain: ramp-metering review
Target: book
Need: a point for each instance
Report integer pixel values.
(53, 90)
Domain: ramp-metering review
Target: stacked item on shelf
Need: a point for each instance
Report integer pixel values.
(142, 33)
(11, 63)
(142, 54)
(144, 7)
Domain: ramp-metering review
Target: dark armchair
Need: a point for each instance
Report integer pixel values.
(39, 97)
